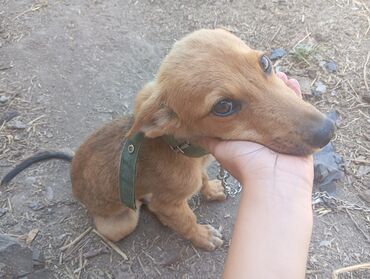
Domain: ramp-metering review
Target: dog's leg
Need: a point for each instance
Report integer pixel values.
(212, 190)
(118, 226)
(179, 217)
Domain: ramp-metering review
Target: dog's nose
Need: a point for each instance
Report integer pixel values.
(323, 134)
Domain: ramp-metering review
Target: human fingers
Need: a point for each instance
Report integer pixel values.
(294, 85)
(282, 76)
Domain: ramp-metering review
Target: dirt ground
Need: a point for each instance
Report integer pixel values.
(68, 66)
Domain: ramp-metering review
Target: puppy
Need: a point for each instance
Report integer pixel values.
(210, 84)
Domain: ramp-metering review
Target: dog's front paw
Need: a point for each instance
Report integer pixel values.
(207, 238)
(213, 191)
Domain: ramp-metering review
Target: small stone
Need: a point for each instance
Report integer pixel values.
(311, 73)
(17, 261)
(365, 195)
(333, 115)
(322, 64)
(7, 271)
(17, 137)
(36, 206)
(366, 98)
(15, 256)
(4, 99)
(29, 181)
(277, 53)
(49, 135)
(305, 84)
(49, 193)
(325, 243)
(328, 169)
(320, 37)
(319, 88)
(3, 211)
(362, 171)
(96, 252)
(38, 258)
(16, 124)
(8, 115)
(330, 66)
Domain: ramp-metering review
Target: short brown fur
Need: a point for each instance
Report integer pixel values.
(202, 68)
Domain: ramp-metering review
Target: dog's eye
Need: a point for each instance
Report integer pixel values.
(226, 107)
(265, 64)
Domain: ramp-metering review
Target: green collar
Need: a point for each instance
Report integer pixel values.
(184, 147)
(129, 155)
(127, 169)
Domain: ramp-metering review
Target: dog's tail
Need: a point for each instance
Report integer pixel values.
(38, 157)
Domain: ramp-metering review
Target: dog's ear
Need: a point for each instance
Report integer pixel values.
(154, 119)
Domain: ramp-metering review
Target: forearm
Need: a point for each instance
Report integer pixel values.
(272, 233)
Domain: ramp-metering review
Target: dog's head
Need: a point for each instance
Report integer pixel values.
(212, 84)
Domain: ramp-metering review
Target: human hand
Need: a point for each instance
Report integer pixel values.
(274, 222)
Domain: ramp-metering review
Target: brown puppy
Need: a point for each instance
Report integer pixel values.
(210, 84)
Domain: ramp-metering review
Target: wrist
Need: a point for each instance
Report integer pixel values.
(284, 191)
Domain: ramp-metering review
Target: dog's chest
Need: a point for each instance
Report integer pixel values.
(161, 170)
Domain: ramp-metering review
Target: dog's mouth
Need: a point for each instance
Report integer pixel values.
(306, 142)
(296, 149)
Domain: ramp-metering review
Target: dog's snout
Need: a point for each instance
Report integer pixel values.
(323, 134)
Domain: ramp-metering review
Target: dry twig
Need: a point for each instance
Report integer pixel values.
(300, 41)
(65, 247)
(357, 226)
(365, 68)
(37, 118)
(366, 162)
(34, 7)
(276, 33)
(31, 236)
(349, 269)
(112, 245)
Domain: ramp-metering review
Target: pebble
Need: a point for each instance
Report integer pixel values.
(312, 73)
(36, 206)
(29, 181)
(4, 99)
(328, 169)
(8, 115)
(38, 258)
(333, 115)
(305, 84)
(18, 261)
(16, 124)
(49, 135)
(277, 53)
(49, 193)
(331, 66)
(365, 195)
(362, 171)
(319, 88)
(366, 98)
(3, 211)
(17, 137)
(325, 243)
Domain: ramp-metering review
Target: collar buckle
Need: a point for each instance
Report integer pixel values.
(180, 148)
